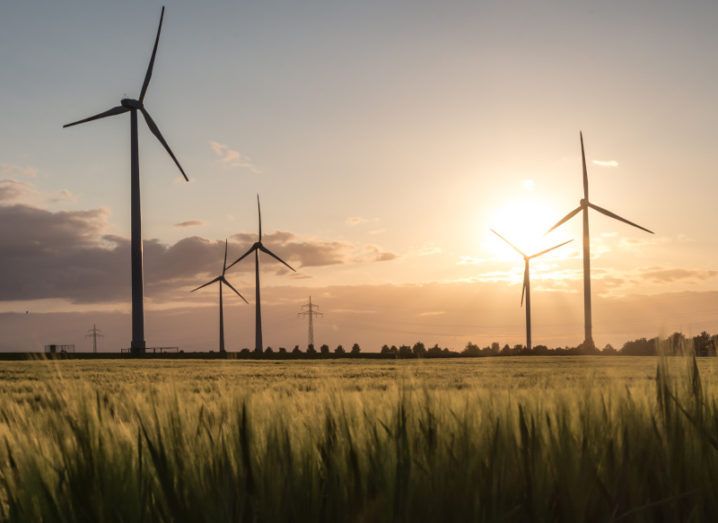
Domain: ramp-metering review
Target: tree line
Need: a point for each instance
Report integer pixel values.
(677, 343)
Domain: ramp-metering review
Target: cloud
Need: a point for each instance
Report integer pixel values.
(69, 255)
(12, 191)
(7, 169)
(374, 253)
(233, 158)
(661, 275)
(606, 163)
(190, 223)
(355, 220)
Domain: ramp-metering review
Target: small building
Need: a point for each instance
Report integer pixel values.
(59, 349)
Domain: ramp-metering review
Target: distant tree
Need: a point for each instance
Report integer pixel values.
(405, 352)
(339, 350)
(435, 351)
(541, 350)
(419, 349)
(245, 351)
(703, 344)
(676, 344)
(311, 349)
(495, 347)
(385, 349)
(506, 350)
(639, 347)
(356, 349)
(471, 349)
(268, 350)
(282, 350)
(324, 349)
(296, 350)
(608, 350)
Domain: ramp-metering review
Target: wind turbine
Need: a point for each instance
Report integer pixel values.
(584, 206)
(255, 248)
(222, 281)
(132, 106)
(526, 290)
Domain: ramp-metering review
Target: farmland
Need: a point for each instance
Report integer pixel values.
(488, 439)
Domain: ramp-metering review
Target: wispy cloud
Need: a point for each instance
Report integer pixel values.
(190, 223)
(606, 163)
(355, 220)
(232, 158)
(660, 275)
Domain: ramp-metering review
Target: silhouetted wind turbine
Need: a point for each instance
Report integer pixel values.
(526, 290)
(584, 206)
(222, 281)
(132, 106)
(255, 248)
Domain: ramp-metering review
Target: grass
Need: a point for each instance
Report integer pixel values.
(525, 439)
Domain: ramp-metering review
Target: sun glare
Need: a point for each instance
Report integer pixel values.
(523, 222)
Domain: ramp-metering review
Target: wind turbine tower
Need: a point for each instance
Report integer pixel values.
(526, 289)
(256, 248)
(128, 105)
(584, 206)
(310, 311)
(222, 280)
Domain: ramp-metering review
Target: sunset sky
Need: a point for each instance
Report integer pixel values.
(385, 140)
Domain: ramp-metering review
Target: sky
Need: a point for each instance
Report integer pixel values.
(386, 139)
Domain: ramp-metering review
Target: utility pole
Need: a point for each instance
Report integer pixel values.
(94, 333)
(309, 310)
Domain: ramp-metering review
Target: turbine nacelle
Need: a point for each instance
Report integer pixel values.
(129, 103)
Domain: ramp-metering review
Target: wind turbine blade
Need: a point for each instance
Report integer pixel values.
(510, 244)
(549, 249)
(148, 74)
(156, 131)
(224, 280)
(208, 283)
(525, 285)
(566, 218)
(617, 217)
(224, 265)
(259, 214)
(264, 249)
(585, 171)
(112, 112)
(250, 251)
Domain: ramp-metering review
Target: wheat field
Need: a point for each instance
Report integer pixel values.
(492, 439)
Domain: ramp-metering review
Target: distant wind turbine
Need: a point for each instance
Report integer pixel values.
(132, 106)
(255, 248)
(222, 281)
(584, 206)
(526, 290)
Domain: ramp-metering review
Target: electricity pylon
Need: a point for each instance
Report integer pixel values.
(94, 333)
(309, 310)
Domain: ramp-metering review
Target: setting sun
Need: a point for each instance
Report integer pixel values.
(524, 222)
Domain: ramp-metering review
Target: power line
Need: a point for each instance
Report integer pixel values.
(309, 310)
(94, 333)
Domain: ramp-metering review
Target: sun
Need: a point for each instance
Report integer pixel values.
(524, 222)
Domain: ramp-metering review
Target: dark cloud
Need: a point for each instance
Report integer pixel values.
(305, 253)
(190, 223)
(68, 255)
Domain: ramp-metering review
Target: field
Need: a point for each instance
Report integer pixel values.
(492, 439)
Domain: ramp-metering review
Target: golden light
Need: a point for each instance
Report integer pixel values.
(524, 222)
